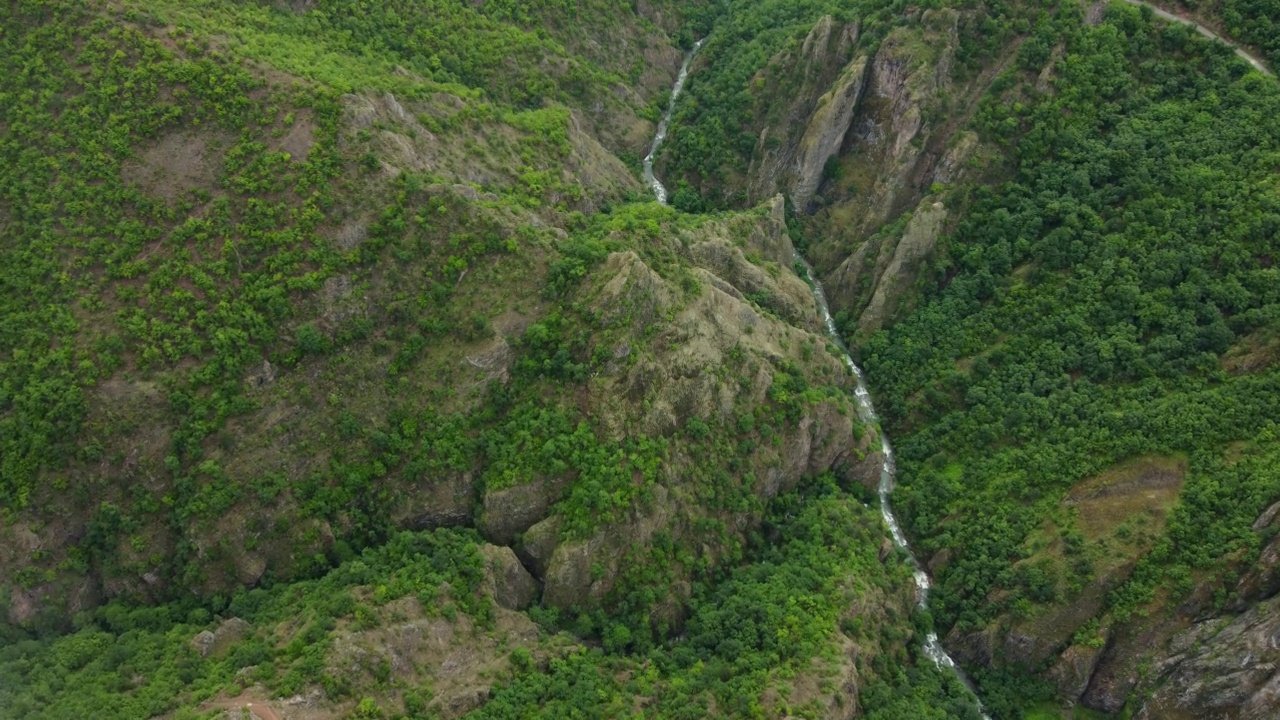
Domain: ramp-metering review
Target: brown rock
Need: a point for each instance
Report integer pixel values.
(1072, 671)
(917, 243)
(230, 632)
(538, 544)
(826, 130)
(203, 643)
(866, 472)
(510, 511)
(511, 586)
(778, 160)
(1223, 667)
(582, 572)
(1262, 580)
(1267, 517)
(441, 501)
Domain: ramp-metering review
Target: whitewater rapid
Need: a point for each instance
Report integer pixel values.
(866, 410)
(659, 190)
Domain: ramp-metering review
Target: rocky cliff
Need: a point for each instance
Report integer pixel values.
(809, 95)
(859, 139)
(725, 333)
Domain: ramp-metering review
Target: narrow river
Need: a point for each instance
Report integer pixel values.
(866, 410)
(659, 190)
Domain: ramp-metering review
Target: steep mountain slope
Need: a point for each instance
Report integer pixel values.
(1069, 241)
(345, 375)
(351, 371)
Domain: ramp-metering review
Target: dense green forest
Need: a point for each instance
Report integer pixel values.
(347, 366)
(174, 178)
(1101, 305)
(92, 672)
(196, 290)
(1251, 21)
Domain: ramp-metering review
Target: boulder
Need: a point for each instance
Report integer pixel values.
(506, 580)
(507, 512)
(202, 643)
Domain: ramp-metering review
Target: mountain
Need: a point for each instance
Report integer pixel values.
(351, 370)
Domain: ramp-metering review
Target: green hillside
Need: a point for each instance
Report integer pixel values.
(349, 369)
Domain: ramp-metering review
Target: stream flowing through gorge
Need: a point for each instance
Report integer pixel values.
(866, 410)
(659, 190)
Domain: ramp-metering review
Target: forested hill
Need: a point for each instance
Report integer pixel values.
(348, 368)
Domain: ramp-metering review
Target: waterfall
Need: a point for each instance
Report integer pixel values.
(659, 190)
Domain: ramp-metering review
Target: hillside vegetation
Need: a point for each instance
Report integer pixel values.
(324, 347)
(1113, 300)
(348, 368)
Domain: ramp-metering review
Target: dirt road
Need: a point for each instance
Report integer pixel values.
(1255, 62)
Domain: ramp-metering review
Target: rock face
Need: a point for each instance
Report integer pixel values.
(203, 643)
(1195, 659)
(510, 511)
(826, 130)
(870, 113)
(899, 155)
(1262, 580)
(1222, 668)
(822, 75)
(537, 545)
(717, 353)
(1226, 666)
(582, 572)
(1073, 671)
(445, 501)
(896, 263)
(511, 586)
(459, 659)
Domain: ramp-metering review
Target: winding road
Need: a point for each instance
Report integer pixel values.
(1255, 62)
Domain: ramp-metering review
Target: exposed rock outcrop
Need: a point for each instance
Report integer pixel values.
(714, 355)
(1261, 580)
(403, 144)
(899, 155)
(826, 130)
(582, 572)
(538, 544)
(217, 642)
(796, 84)
(895, 266)
(506, 580)
(507, 512)
(1221, 668)
(459, 659)
(446, 500)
